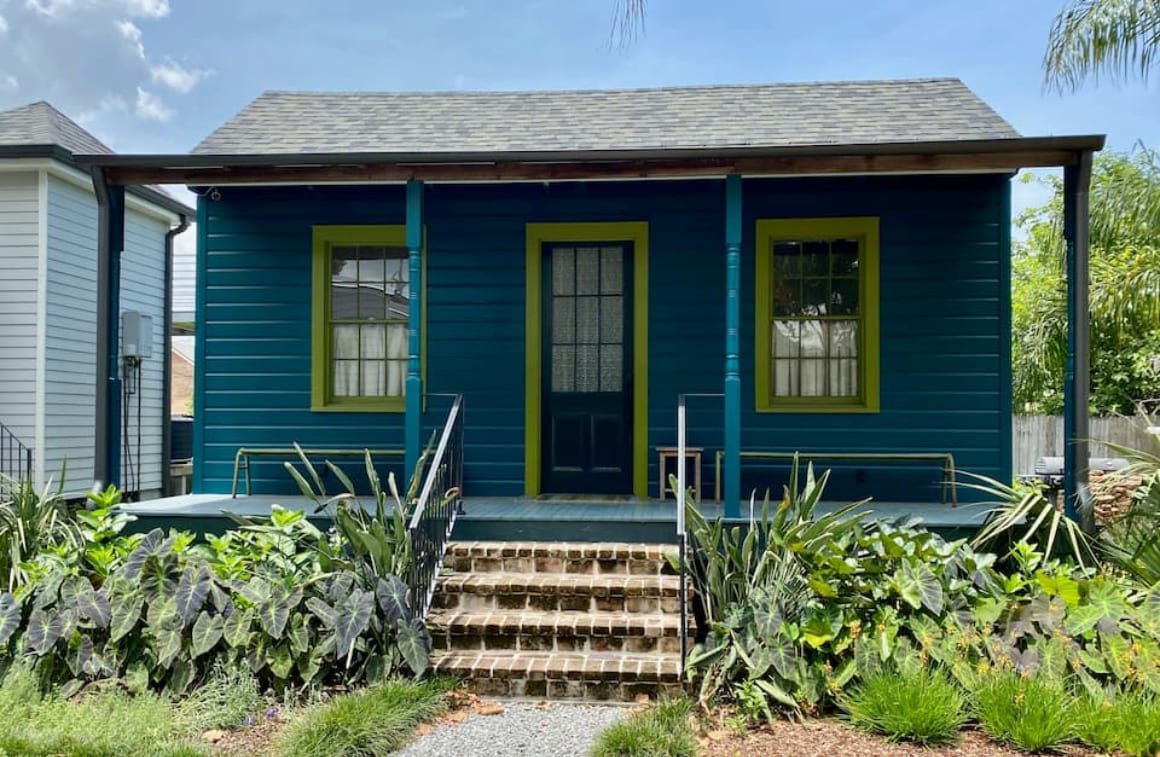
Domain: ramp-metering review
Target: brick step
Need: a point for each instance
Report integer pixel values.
(558, 557)
(603, 676)
(555, 631)
(557, 592)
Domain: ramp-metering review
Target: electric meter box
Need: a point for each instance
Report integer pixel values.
(136, 335)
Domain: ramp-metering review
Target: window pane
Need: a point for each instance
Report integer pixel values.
(844, 260)
(816, 297)
(785, 378)
(563, 270)
(843, 339)
(346, 378)
(587, 368)
(786, 339)
(396, 378)
(563, 369)
(813, 338)
(345, 342)
(587, 320)
(587, 270)
(563, 320)
(373, 378)
(787, 296)
(844, 378)
(787, 262)
(816, 259)
(813, 378)
(612, 270)
(611, 368)
(397, 341)
(344, 282)
(611, 320)
(844, 298)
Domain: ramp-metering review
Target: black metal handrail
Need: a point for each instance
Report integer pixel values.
(440, 502)
(15, 458)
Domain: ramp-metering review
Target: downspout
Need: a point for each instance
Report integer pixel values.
(110, 243)
(167, 357)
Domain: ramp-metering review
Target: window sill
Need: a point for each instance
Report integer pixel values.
(819, 408)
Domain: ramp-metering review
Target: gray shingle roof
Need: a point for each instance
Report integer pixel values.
(42, 124)
(771, 115)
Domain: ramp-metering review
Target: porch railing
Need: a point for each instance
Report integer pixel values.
(15, 458)
(683, 541)
(440, 502)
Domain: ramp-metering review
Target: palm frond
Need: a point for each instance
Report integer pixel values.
(1117, 38)
(627, 22)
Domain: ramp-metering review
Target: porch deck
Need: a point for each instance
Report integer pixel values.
(574, 518)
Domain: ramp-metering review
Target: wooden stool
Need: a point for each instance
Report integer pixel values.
(665, 454)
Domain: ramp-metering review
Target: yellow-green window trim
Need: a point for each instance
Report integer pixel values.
(865, 230)
(324, 237)
(539, 234)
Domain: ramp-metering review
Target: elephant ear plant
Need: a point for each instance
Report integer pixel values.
(295, 605)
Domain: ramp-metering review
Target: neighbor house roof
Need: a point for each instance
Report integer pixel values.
(767, 115)
(39, 130)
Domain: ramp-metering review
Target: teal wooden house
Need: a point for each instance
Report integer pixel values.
(821, 268)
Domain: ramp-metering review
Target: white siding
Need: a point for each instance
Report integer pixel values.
(19, 248)
(70, 362)
(184, 273)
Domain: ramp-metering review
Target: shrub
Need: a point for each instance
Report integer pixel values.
(1029, 712)
(32, 524)
(919, 704)
(376, 720)
(663, 730)
(1130, 723)
(225, 700)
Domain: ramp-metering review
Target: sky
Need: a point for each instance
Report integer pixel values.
(160, 75)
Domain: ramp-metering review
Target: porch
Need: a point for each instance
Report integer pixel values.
(548, 518)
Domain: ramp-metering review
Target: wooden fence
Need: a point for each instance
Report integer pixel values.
(1038, 436)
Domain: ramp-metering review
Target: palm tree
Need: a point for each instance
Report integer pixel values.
(1119, 38)
(627, 20)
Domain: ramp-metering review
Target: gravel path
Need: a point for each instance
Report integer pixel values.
(522, 730)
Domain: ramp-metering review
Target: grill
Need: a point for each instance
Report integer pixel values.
(1049, 470)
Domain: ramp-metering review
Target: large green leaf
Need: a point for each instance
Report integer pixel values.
(918, 586)
(299, 634)
(1105, 603)
(414, 644)
(272, 616)
(180, 677)
(124, 612)
(80, 655)
(339, 586)
(354, 615)
(135, 562)
(192, 590)
(44, 628)
(392, 595)
(324, 612)
(163, 614)
(10, 616)
(280, 661)
(207, 632)
(167, 644)
(779, 694)
(95, 606)
(236, 628)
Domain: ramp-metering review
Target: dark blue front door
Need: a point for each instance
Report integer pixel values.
(587, 372)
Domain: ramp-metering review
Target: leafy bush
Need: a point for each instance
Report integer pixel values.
(663, 730)
(276, 595)
(1028, 711)
(1129, 723)
(32, 524)
(376, 720)
(916, 704)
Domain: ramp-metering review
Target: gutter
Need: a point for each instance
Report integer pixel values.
(167, 359)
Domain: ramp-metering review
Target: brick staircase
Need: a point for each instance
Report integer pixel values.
(558, 620)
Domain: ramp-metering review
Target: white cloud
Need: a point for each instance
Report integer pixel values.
(151, 107)
(3, 25)
(93, 59)
(132, 34)
(132, 8)
(176, 77)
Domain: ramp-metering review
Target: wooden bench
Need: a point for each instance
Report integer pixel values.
(242, 458)
(945, 459)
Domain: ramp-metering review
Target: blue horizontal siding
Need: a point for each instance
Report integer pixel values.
(941, 316)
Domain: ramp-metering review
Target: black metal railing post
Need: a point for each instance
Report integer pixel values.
(440, 503)
(15, 457)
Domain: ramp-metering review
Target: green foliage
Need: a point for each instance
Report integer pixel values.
(1118, 38)
(107, 723)
(914, 704)
(663, 730)
(1025, 515)
(373, 721)
(1128, 723)
(33, 525)
(1125, 291)
(1132, 542)
(1030, 712)
(224, 700)
(277, 596)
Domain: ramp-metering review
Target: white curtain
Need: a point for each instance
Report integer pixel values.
(370, 360)
(815, 358)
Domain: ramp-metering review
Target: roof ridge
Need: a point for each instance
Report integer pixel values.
(610, 90)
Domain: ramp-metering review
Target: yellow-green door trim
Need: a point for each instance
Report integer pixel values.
(537, 235)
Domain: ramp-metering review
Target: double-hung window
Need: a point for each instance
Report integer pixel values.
(817, 315)
(362, 303)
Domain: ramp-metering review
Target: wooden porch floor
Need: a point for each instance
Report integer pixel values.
(550, 518)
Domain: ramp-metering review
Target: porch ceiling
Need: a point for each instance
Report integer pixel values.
(951, 156)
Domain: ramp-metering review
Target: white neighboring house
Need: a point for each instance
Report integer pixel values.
(48, 306)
